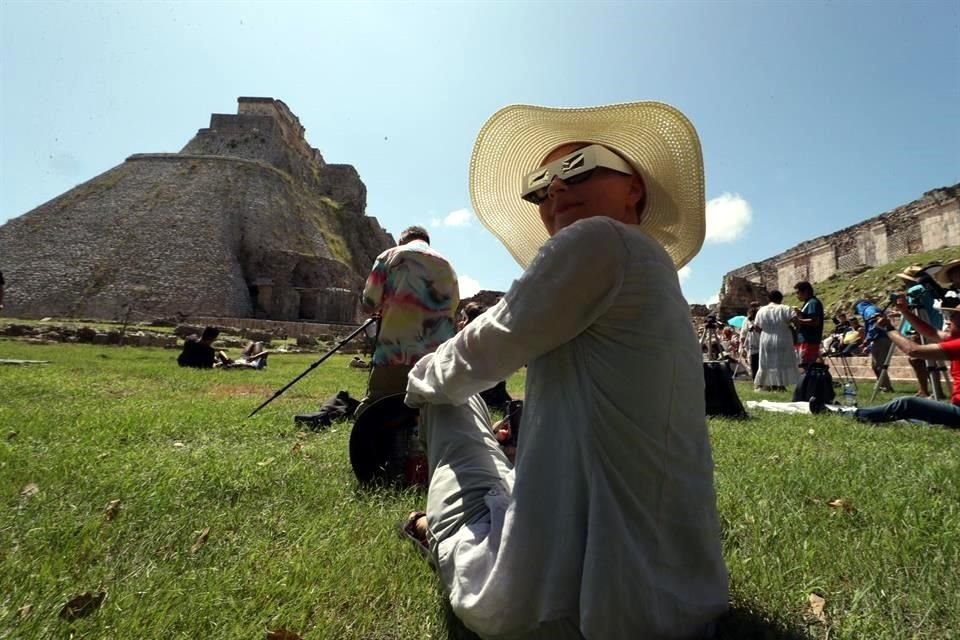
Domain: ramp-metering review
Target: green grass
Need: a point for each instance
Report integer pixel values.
(293, 543)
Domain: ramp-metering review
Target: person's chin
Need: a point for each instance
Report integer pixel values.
(567, 217)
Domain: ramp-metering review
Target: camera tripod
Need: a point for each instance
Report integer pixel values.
(934, 367)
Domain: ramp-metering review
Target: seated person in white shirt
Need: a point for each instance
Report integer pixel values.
(606, 526)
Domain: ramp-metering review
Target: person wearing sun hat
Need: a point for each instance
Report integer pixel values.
(949, 275)
(921, 298)
(943, 345)
(606, 526)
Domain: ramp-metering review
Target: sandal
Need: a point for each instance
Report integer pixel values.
(408, 529)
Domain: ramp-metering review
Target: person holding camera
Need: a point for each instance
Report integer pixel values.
(750, 339)
(944, 345)
(612, 492)
(920, 299)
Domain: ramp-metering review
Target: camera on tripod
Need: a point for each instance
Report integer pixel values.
(711, 322)
(913, 296)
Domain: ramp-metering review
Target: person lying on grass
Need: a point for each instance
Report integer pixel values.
(200, 354)
(606, 526)
(944, 345)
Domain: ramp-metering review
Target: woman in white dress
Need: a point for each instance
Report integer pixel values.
(778, 359)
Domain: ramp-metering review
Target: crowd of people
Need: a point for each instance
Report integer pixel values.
(611, 481)
(780, 342)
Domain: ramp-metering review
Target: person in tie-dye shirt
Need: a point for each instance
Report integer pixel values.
(415, 291)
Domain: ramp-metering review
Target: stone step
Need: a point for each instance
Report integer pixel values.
(860, 369)
(899, 371)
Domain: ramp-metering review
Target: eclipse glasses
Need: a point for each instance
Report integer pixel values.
(572, 168)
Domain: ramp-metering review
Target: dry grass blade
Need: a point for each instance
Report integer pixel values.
(201, 540)
(817, 604)
(842, 503)
(282, 634)
(83, 605)
(112, 510)
(24, 611)
(29, 490)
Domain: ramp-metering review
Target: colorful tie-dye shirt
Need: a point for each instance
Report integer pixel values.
(416, 291)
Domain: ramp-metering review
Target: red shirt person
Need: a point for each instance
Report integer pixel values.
(944, 345)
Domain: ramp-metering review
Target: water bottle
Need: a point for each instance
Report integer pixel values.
(849, 395)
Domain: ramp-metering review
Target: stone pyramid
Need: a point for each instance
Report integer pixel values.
(247, 220)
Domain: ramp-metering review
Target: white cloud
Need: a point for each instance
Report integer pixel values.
(468, 286)
(458, 218)
(728, 216)
(684, 273)
(714, 299)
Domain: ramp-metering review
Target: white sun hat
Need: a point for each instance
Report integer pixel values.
(655, 138)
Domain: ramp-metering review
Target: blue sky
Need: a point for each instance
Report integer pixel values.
(812, 115)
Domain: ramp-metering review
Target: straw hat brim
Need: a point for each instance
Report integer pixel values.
(941, 275)
(658, 140)
(910, 273)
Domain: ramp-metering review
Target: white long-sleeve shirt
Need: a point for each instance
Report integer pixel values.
(612, 519)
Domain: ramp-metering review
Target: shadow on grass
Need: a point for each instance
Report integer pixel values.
(739, 623)
(746, 623)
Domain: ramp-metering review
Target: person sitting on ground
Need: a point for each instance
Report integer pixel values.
(728, 344)
(944, 345)
(253, 356)
(612, 492)
(853, 340)
(199, 353)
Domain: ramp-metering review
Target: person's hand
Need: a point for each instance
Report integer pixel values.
(884, 323)
(901, 302)
(501, 430)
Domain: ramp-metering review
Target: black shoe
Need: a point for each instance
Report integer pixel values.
(817, 406)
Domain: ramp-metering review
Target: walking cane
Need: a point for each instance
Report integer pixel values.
(315, 364)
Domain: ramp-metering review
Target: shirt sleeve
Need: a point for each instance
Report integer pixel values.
(373, 288)
(571, 282)
(951, 348)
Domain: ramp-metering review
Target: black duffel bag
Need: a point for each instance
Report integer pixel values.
(815, 382)
(720, 394)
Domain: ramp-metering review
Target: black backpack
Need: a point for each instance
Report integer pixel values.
(720, 394)
(815, 382)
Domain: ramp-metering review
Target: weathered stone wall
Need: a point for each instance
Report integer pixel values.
(930, 222)
(216, 230)
(736, 294)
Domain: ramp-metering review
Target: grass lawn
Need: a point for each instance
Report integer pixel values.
(228, 528)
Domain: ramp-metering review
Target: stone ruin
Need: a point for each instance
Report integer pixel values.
(930, 222)
(246, 221)
(736, 294)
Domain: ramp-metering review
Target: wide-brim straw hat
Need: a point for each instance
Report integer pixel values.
(658, 141)
(941, 275)
(911, 273)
